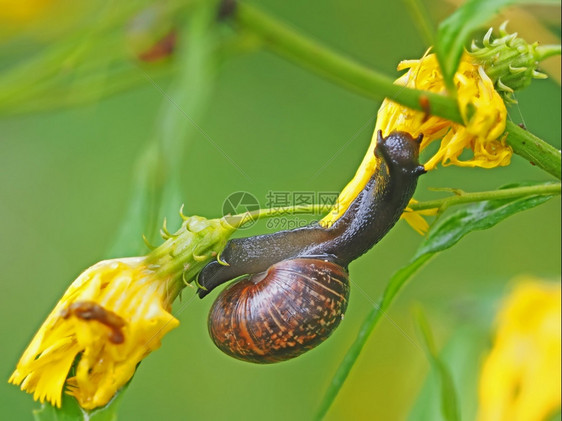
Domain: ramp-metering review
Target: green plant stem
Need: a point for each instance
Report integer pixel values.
(313, 55)
(534, 150)
(462, 198)
(546, 51)
(458, 199)
(310, 54)
(287, 210)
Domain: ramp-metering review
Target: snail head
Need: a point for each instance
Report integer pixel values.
(400, 150)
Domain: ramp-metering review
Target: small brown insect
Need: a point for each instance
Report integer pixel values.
(89, 310)
(426, 107)
(162, 49)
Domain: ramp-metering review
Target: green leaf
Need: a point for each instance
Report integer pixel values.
(445, 233)
(449, 405)
(71, 411)
(463, 355)
(454, 31)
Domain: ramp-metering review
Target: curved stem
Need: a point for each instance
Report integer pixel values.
(310, 54)
(545, 51)
(461, 198)
(237, 221)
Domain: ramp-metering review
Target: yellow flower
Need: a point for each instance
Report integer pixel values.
(520, 379)
(482, 109)
(113, 315)
(415, 218)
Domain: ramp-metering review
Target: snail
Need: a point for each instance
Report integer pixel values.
(295, 287)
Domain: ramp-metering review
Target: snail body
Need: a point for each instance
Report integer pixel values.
(243, 320)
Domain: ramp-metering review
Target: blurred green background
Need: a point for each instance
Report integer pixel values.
(66, 181)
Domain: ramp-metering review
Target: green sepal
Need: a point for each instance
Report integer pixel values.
(510, 62)
(188, 250)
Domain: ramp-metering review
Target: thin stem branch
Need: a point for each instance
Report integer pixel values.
(237, 221)
(462, 198)
(310, 54)
(546, 51)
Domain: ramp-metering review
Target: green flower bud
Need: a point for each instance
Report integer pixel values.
(510, 61)
(186, 252)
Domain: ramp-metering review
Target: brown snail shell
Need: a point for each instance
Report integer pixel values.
(281, 313)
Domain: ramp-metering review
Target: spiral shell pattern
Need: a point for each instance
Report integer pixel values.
(281, 313)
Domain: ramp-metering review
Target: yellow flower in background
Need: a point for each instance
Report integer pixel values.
(481, 107)
(46, 21)
(520, 379)
(113, 315)
(20, 11)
